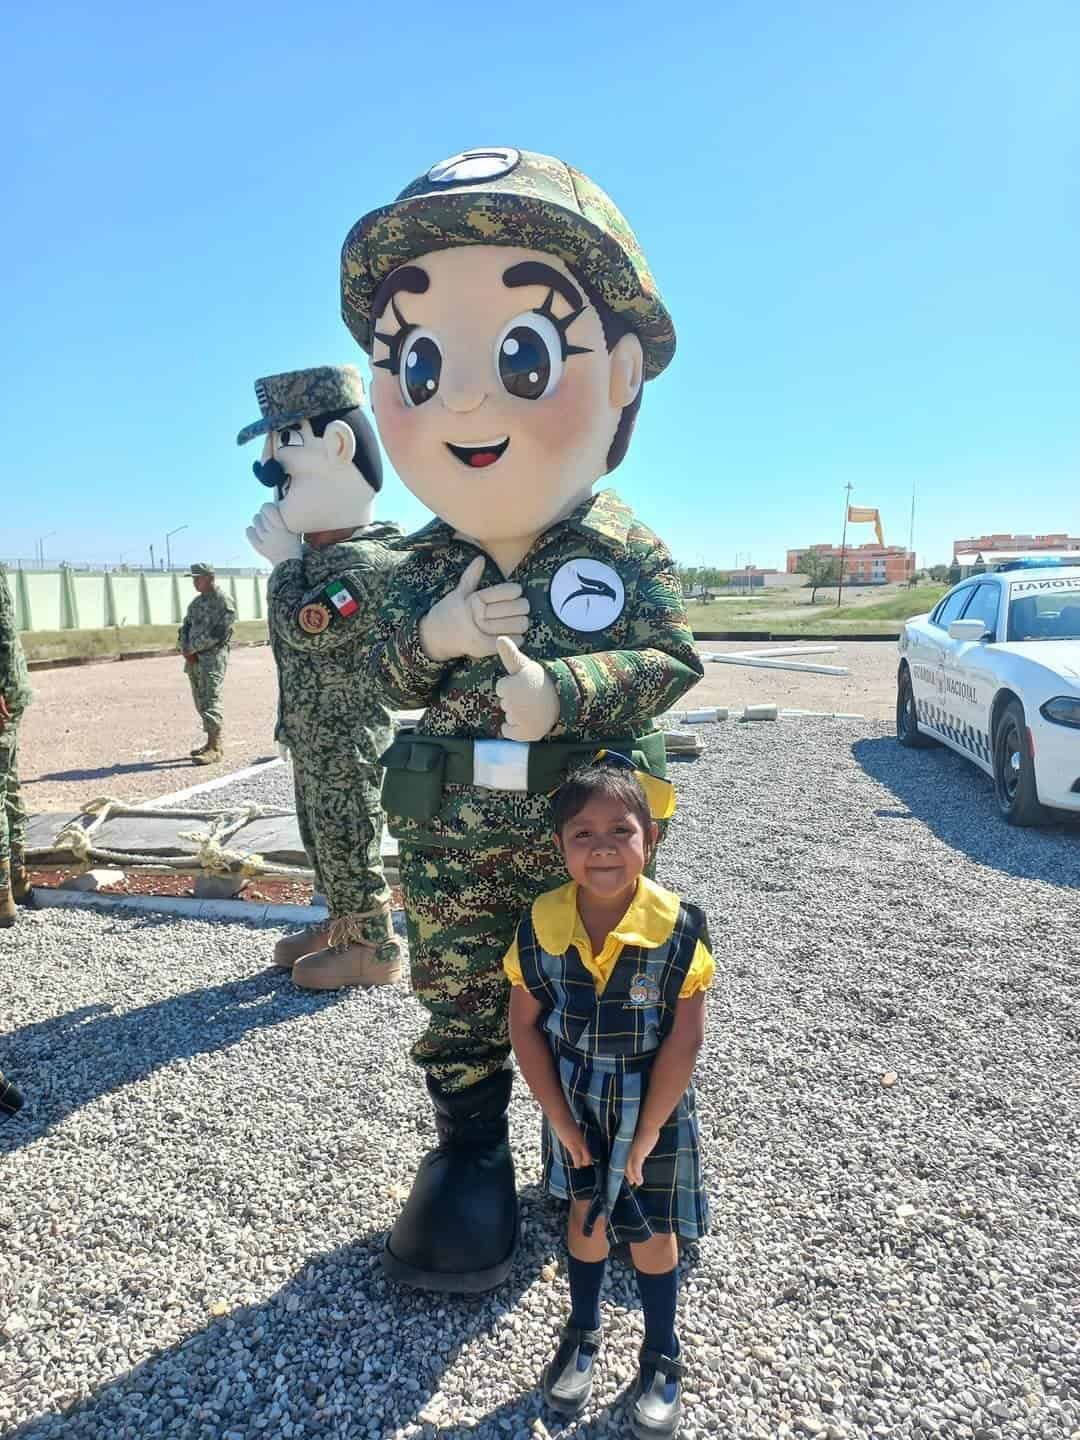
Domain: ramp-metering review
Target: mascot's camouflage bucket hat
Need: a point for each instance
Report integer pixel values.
(502, 196)
(297, 395)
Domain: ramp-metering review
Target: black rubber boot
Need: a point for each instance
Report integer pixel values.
(10, 1099)
(459, 1228)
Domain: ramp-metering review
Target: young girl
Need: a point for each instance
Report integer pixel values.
(607, 1014)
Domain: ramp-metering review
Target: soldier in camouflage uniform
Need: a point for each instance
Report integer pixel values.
(14, 698)
(511, 319)
(204, 640)
(322, 458)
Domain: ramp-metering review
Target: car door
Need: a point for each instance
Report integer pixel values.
(928, 671)
(970, 675)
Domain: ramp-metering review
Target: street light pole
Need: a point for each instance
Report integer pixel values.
(41, 547)
(843, 544)
(168, 537)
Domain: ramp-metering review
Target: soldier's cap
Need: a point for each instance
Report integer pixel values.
(297, 395)
(200, 568)
(502, 196)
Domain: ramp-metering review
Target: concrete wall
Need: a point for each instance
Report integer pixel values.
(87, 600)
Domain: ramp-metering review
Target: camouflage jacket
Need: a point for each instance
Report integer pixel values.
(14, 677)
(208, 624)
(606, 621)
(321, 611)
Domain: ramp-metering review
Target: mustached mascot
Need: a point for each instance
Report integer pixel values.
(511, 319)
(332, 562)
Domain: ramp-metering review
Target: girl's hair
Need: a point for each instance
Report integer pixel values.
(610, 781)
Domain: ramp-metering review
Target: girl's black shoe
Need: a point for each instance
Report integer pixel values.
(567, 1382)
(657, 1410)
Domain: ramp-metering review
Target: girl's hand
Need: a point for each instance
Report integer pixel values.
(573, 1142)
(643, 1145)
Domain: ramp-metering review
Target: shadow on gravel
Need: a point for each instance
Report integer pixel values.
(105, 772)
(956, 802)
(337, 1351)
(65, 1063)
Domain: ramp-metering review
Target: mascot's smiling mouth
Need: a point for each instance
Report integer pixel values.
(478, 456)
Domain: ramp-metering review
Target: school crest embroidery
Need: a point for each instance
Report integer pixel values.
(644, 991)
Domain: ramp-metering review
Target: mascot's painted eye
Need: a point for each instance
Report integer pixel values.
(290, 437)
(529, 356)
(420, 368)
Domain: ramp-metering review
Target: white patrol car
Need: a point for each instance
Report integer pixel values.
(994, 672)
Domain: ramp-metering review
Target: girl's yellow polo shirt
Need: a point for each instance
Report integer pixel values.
(648, 922)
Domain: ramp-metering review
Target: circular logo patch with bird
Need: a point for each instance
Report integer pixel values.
(587, 594)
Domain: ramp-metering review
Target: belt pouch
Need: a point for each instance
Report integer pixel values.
(413, 784)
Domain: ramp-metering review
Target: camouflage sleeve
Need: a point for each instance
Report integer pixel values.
(183, 635)
(402, 670)
(619, 689)
(331, 615)
(14, 678)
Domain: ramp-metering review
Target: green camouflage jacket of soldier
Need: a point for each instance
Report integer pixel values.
(208, 624)
(606, 621)
(321, 611)
(14, 677)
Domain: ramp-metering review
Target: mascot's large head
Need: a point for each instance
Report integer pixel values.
(511, 319)
(320, 454)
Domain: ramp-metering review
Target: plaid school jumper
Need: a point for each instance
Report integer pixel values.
(604, 1045)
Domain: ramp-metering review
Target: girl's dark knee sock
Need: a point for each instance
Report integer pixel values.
(659, 1297)
(586, 1277)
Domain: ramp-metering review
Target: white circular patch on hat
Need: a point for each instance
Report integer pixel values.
(587, 594)
(472, 166)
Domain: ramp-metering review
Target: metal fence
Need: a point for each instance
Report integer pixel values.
(108, 567)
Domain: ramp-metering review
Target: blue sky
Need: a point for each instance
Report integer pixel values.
(863, 220)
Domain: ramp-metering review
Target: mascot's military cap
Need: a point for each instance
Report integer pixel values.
(502, 196)
(301, 395)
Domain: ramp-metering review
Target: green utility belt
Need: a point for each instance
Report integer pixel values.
(417, 767)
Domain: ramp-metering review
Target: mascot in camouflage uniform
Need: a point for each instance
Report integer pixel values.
(322, 458)
(204, 639)
(511, 320)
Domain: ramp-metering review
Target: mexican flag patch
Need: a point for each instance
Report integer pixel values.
(340, 596)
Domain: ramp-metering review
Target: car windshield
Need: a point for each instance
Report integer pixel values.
(1044, 610)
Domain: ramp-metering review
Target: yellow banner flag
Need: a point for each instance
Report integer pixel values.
(864, 514)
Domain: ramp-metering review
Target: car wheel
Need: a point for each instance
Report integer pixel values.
(907, 723)
(1014, 769)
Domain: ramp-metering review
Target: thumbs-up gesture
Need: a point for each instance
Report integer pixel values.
(468, 620)
(529, 699)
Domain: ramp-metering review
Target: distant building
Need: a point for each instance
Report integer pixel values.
(990, 550)
(870, 564)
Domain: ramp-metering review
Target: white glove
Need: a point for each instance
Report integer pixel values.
(527, 692)
(283, 751)
(272, 538)
(469, 621)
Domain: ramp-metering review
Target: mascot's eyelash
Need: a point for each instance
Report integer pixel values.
(395, 343)
(563, 325)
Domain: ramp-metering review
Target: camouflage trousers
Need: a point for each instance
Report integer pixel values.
(12, 809)
(462, 908)
(207, 679)
(341, 824)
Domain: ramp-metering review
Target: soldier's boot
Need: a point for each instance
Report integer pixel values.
(8, 913)
(200, 749)
(361, 949)
(212, 753)
(291, 948)
(21, 890)
(459, 1228)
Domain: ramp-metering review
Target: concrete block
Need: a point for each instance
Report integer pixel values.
(760, 712)
(219, 887)
(93, 879)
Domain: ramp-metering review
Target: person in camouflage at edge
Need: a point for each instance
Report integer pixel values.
(511, 319)
(14, 698)
(204, 641)
(321, 456)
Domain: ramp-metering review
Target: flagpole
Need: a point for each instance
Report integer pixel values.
(843, 545)
(911, 531)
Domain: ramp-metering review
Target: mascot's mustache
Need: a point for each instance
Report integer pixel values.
(272, 474)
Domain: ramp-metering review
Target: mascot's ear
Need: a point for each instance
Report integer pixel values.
(627, 370)
(340, 442)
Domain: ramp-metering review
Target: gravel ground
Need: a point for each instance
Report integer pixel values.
(126, 729)
(196, 1194)
(271, 785)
